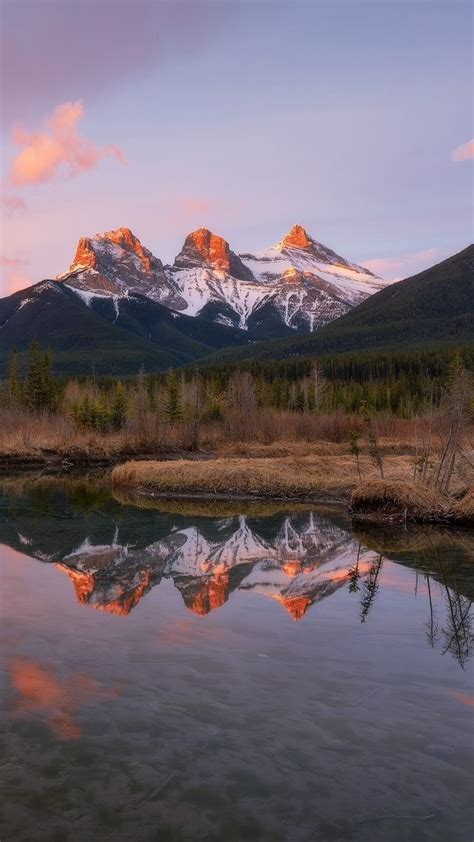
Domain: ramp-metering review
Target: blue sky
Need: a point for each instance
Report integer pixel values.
(241, 117)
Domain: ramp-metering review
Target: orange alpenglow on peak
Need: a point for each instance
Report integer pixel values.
(202, 248)
(86, 255)
(213, 593)
(209, 247)
(120, 235)
(297, 238)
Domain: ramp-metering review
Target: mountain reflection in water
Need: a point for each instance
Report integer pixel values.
(115, 554)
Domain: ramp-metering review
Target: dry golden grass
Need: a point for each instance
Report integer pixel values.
(300, 477)
(413, 501)
(388, 445)
(329, 475)
(281, 449)
(54, 438)
(395, 498)
(36, 437)
(463, 509)
(43, 437)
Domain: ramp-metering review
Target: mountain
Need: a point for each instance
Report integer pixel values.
(115, 334)
(435, 307)
(118, 307)
(114, 264)
(297, 285)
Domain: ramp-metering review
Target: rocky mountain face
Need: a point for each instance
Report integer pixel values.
(115, 264)
(297, 285)
(202, 248)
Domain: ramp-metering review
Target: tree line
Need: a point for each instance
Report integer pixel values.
(400, 384)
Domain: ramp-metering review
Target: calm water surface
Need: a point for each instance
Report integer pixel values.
(187, 672)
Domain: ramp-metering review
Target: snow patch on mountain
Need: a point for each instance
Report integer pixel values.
(299, 283)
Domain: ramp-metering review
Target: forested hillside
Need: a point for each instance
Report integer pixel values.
(432, 309)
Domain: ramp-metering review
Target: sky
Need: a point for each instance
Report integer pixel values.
(353, 118)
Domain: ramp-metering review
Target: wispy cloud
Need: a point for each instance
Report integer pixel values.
(12, 261)
(12, 204)
(464, 152)
(183, 212)
(396, 268)
(192, 206)
(58, 149)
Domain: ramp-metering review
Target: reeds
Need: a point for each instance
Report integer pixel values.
(391, 498)
(320, 476)
(25, 436)
(463, 509)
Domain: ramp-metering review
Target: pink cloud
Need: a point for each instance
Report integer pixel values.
(58, 149)
(186, 211)
(464, 152)
(13, 281)
(13, 278)
(12, 261)
(396, 268)
(12, 203)
(191, 206)
(465, 698)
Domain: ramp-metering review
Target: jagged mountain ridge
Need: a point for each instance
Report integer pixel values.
(297, 285)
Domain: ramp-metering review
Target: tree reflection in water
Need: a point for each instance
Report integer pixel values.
(430, 551)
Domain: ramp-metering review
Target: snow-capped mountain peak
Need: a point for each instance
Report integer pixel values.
(203, 248)
(297, 238)
(116, 263)
(297, 284)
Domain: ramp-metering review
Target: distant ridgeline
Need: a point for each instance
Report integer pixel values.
(427, 311)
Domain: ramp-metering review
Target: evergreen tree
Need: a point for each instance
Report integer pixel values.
(15, 385)
(40, 384)
(118, 414)
(354, 449)
(173, 405)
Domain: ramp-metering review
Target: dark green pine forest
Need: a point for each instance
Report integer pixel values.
(430, 310)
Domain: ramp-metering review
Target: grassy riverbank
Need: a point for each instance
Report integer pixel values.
(328, 475)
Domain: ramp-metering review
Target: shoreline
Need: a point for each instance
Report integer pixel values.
(307, 480)
(320, 500)
(279, 474)
(343, 503)
(64, 462)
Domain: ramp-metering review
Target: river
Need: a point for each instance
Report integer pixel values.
(228, 672)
